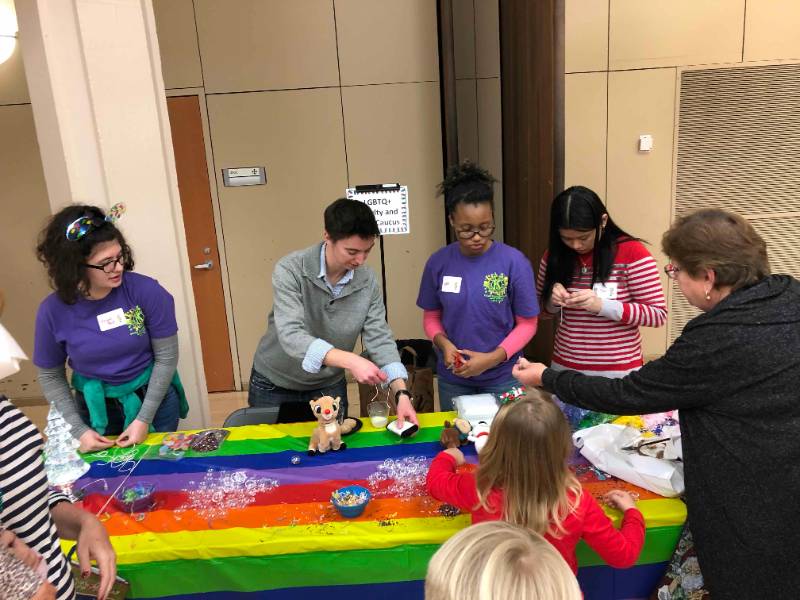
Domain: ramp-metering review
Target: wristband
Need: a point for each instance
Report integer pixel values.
(399, 392)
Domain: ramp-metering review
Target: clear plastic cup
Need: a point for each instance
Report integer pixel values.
(378, 413)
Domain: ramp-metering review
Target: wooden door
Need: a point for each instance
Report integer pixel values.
(198, 219)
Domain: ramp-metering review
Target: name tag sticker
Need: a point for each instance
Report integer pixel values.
(607, 291)
(112, 319)
(451, 284)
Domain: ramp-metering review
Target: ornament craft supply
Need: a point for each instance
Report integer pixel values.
(175, 445)
(136, 498)
(351, 500)
(512, 395)
(208, 440)
(62, 462)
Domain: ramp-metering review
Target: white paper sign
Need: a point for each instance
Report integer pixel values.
(389, 205)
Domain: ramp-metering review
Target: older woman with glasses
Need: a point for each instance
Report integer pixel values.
(115, 328)
(734, 373)
(477, 294)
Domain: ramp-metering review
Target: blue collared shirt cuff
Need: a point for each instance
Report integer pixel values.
(393, 371)
(312, 361)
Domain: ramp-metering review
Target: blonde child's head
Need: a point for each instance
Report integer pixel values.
(526, 457)
(496, 559)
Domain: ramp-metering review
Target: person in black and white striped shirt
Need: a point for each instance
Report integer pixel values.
(38, 516)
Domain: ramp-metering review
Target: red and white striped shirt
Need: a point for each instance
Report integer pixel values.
(610, 341)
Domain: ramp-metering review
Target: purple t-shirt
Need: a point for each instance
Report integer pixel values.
(106, 339)
(479, 297)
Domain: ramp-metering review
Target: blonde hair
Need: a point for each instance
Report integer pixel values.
(497, 560)
(526, 457)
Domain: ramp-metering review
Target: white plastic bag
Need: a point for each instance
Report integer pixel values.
(602, 444)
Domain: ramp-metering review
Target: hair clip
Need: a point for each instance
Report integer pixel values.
(83, 225)
(512, 395)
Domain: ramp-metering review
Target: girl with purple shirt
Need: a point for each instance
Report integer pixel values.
(115, 328)
(477, 294)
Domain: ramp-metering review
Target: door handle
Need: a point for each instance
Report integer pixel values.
(206, 266)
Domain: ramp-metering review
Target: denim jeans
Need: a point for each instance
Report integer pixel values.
(448, 391)
(265, 393)
(165, 419)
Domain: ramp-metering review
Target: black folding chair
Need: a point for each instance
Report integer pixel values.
(262, 415)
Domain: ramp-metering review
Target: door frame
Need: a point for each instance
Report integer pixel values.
(223, 261)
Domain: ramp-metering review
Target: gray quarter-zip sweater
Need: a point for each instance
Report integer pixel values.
(303, 310)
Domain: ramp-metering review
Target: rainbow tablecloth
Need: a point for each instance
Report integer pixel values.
(291, 542)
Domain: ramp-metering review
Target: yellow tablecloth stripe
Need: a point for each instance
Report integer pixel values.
(238, 541)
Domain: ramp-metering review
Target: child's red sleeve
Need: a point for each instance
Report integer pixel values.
(619, 548)
(448, 486)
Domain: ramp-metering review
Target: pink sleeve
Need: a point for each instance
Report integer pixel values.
(523, 332)
(432, 323)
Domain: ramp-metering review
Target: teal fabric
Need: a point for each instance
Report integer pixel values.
(95, 393)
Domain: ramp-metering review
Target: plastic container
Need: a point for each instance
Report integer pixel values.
(135, 498)
(342, 498)
(378, 413)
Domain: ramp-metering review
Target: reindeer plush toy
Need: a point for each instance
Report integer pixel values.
(328, 434)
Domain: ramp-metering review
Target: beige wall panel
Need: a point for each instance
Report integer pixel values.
(467, 107)
(585, 131)
(678, 32)
(387, 41)
(464, 38)
(772, 30)
(177, 42)
(23, 201)
(13, 87)
(586, 35)
(490, 141)
(394, 134)
(640, 184)
(487, 38)
(298, 137)
(266, 44)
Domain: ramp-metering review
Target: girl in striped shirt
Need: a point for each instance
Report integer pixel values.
(602, 284)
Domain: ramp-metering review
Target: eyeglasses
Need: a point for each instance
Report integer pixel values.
(484, 232)
(671, 270)
(110, 265)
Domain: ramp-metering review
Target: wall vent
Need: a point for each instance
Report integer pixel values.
(739, 149)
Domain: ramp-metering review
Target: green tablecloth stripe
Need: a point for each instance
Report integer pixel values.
(659, 544)
(253, 573)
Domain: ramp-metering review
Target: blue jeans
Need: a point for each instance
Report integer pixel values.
(263, 392)
(165, 419)
(448, 391)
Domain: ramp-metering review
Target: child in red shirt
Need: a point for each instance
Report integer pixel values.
(523, 478)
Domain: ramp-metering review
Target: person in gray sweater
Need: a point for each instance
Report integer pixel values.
(734, 374)
(324, 298)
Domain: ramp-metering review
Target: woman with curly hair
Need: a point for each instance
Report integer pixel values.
(477, 294)
(115, 328)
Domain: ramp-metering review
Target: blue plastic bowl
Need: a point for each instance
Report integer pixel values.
(350, 511)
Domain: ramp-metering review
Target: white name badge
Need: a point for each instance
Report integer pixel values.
(607, 291)
(112, 319)
(451, 284)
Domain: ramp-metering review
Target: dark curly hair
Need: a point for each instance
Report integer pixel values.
(65, 259)
(466, 183)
